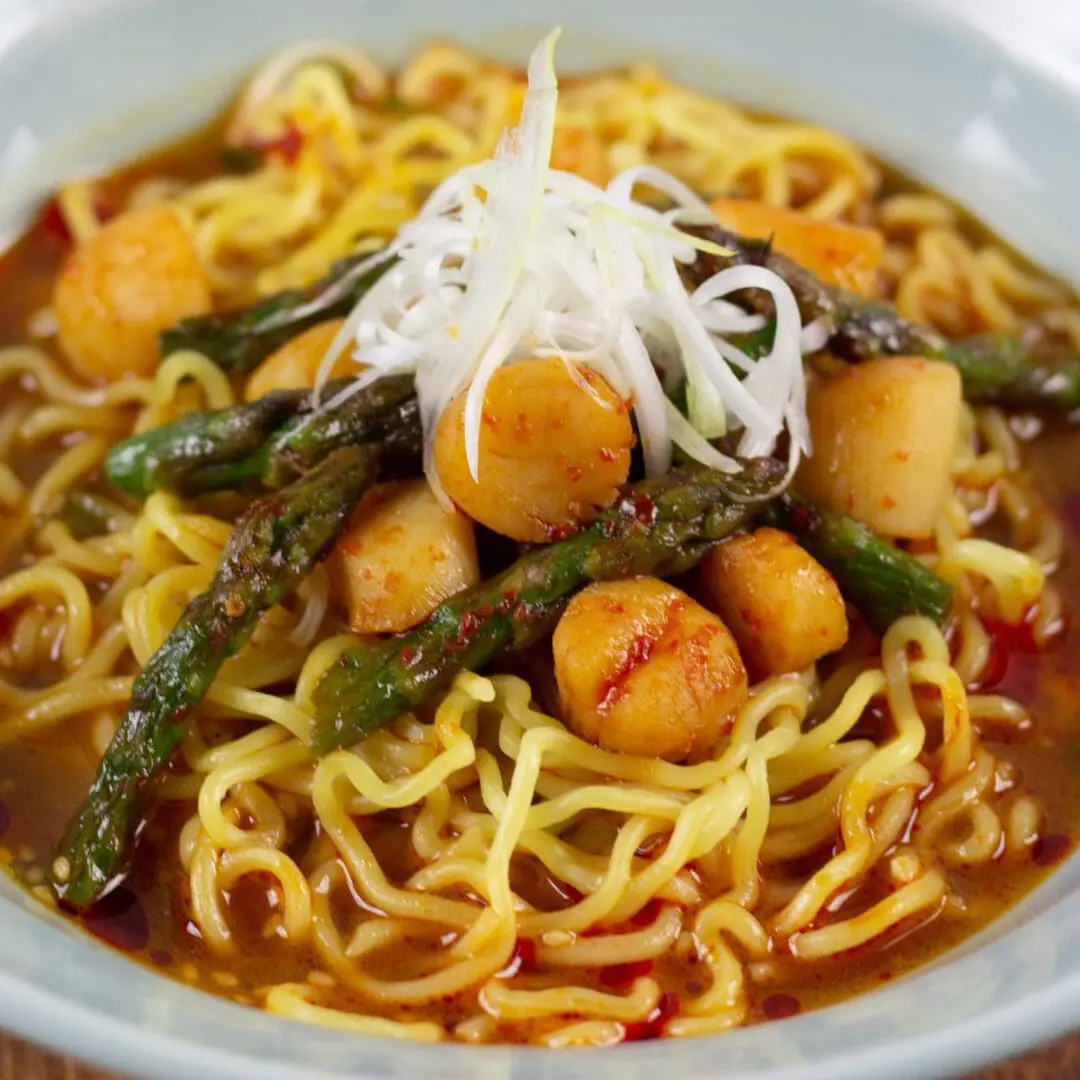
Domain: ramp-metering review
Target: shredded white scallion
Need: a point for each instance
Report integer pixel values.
(510, 258)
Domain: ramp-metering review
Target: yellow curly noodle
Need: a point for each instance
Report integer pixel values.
(372, 146)
(664, 863)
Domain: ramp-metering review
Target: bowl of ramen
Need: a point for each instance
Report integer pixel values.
(533, 554)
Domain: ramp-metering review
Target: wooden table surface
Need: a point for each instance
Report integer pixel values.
(20, 1061)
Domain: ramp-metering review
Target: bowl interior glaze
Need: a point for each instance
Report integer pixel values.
(957, 92)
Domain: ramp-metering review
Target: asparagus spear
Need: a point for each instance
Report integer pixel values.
(882, 582)
(1000, 370)
(273, 547)
(240, 340)
(87, 514)
(270, 441)
(660, 526)
(994, 367)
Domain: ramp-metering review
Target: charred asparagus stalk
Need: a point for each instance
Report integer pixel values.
(272, 549)
(659, 526)
(270, 441)
(882, 582)
(88, 514)
(994, 367)
(1000, 370)
(239, 341)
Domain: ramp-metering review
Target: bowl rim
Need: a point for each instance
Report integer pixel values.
(1008, 1029)
(91, 1033)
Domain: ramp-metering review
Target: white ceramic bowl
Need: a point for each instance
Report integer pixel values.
(979, 97)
